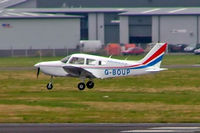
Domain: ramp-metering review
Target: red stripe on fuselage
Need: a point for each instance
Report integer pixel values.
(157, 53)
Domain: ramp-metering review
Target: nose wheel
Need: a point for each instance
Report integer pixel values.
(50, 84)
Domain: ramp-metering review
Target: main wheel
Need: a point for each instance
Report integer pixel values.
(90, 84)
(49, 86)
(81, 86)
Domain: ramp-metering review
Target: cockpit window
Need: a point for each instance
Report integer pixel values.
(90, 62)
(65, 60)
(76, 60)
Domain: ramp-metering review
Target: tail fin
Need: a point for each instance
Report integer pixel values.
(155, 55)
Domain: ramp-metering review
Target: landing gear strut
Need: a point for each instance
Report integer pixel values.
(50, 84)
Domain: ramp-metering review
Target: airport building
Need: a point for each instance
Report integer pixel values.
(22, 30)
(111, 21)
(135, 25)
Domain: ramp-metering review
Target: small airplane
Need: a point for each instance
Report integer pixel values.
(91, 66)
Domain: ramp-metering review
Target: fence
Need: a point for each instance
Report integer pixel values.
(36, 52)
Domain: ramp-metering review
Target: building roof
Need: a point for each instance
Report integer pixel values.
(72, 10)
(11, 14)
(162, 11)
(121, 11)
(9, 3)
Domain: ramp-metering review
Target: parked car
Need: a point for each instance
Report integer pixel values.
(197, 51)
(177, 47)
(129, 45)
(136, 51)
(189, 48)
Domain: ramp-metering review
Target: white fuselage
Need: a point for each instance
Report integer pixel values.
(100, 67)
(90, 66)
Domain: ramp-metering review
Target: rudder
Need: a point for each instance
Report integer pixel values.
(155, 55)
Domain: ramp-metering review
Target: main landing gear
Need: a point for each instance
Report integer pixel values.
(89, 84)
(81, 85)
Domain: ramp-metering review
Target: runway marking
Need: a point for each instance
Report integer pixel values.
(196, 65)
(150, 131)
(177, 128)
(165, 130)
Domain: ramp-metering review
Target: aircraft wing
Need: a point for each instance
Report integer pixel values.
(78, 72)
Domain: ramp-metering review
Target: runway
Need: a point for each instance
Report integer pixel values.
(100, 128)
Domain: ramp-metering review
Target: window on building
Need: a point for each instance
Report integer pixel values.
(77, 60)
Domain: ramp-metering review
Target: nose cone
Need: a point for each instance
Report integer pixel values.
(37, 65)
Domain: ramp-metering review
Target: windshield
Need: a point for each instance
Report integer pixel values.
(65, 60)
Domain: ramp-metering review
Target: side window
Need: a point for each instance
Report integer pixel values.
(77, 60)
(102, 63)
(90, 62)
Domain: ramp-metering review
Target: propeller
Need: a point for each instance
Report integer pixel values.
(38, 72)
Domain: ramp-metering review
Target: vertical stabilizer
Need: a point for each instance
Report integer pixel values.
(155, 55)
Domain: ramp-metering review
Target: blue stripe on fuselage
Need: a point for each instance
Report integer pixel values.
(150, 64)
(139, 67)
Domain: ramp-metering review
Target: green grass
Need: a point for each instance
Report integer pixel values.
(168, 96)
(23, 61)
(30, 61)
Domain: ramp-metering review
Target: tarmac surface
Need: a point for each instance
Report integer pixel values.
(100, 128)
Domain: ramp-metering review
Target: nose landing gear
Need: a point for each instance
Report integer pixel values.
(50, 84)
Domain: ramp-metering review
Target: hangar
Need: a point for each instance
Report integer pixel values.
(135, 25)
(175, 25)
(29, 30)
(172, 25)
(26, 31)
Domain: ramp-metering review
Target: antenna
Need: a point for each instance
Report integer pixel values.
(126, 58)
